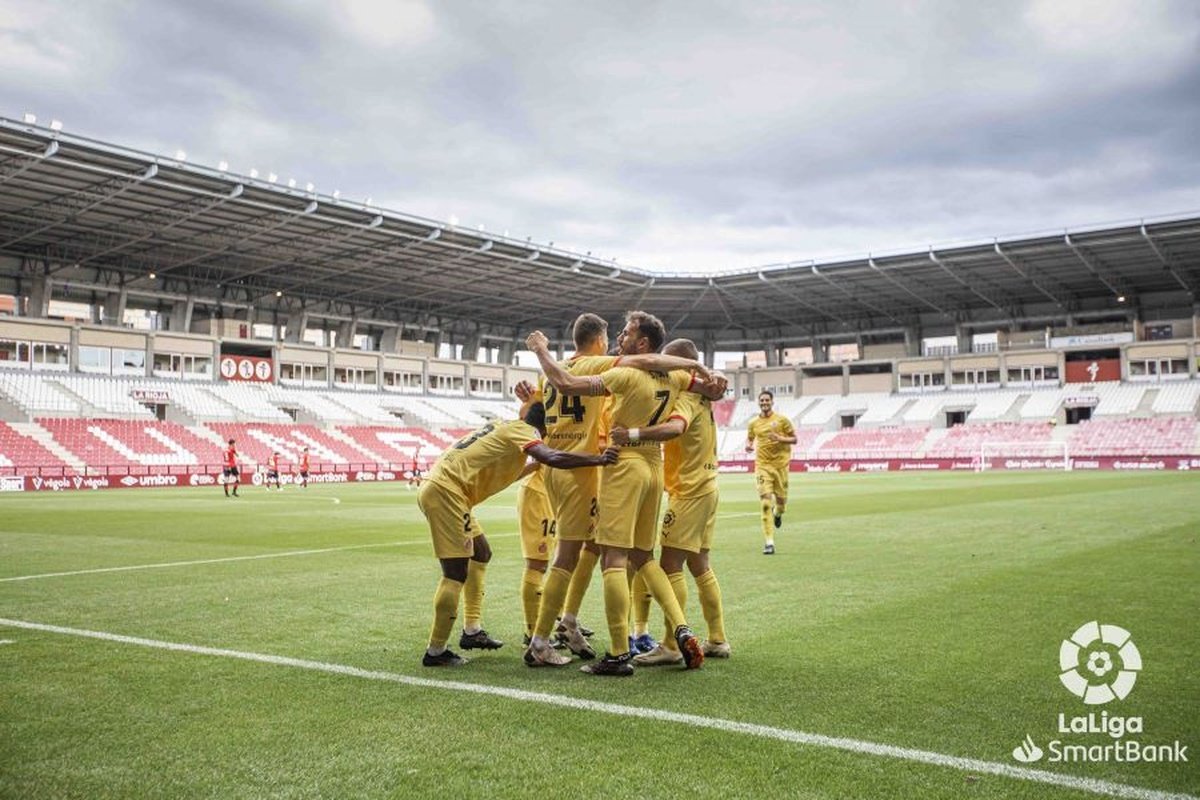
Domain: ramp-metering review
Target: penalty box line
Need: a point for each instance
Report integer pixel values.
(857, 746)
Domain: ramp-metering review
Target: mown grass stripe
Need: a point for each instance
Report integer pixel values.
(1091, 785)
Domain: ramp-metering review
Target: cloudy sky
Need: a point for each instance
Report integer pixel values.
(676, 136)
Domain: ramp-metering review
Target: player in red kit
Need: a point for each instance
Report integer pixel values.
(304, 468)
(230, 472)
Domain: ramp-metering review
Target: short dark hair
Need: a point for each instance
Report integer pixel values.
(650, 327)
(684, 348)
(535, 415)
(231, 441)
(768, 393)
(587, 327)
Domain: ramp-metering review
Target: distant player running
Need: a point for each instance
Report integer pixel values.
(472, 470)
(304, 468)
(229, 472)
(273, 471)
(775, 436)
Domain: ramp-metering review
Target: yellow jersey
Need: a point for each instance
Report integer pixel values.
(573, 423)
(690, 459)
(535, 482)
(768, 453)
(486, 461)
(642, 399)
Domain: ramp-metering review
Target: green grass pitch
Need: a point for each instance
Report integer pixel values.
(920, 611)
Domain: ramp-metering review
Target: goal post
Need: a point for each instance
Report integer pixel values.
(1023, 455)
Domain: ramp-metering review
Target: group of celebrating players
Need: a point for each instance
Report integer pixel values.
(594, 428)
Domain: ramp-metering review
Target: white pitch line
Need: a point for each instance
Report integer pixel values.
(1092, 785)
(168, 564)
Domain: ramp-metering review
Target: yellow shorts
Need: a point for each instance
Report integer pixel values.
(689, 522)
(573, 498)
(537, 524)
(451, 522)
(771, 480)
(630, 499)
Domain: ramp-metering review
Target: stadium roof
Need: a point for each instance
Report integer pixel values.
(101, 218)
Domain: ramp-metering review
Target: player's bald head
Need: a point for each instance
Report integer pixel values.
(684, 348)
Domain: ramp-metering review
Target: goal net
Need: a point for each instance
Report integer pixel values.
(1023, 455)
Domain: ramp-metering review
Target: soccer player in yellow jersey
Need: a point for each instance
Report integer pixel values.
(690, 472)
(536, 520)
(472, 470)
(631, 496)
(573, 425)
(774, 436)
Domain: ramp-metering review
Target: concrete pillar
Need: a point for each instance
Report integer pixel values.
(114, 307)
(506, 352)
(150, 356)
(180, 320)
(963, 335)
(73, 350)
(709, 346)
(820, 351)
(38, 304)
(912, 340)
(346, 331)
(772, 352)
(471, 346)
(389, 340)
(297, 321)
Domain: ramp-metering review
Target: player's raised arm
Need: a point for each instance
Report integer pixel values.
(569, 384)
(559, 459)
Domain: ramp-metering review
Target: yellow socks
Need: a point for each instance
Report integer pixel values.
(445, 609)
(768, 522)
(616, 609)
(473, 595)
(531, 595)
(553, 592)
(639, 601)
(659, 586)
(581, 578)
(679, 587)
(710, 603)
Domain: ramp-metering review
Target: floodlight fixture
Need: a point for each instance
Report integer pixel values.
(29, 119)
(291, 183)
(152, 275)
(367, 202)
(279, 293)
(223, 166)
(337, 193)
(55, 125)
(180, 155)
(272, 177)
(1120, 298)
(308, 187)
(253, 173)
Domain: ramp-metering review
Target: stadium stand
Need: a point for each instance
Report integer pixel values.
(965, 441)
(257, 440)
(873, 443)
(992, 405)
(401, 444)
(35, 394)
(1134, 437)
(20, 450)
(1177, 398)
(1117, 399)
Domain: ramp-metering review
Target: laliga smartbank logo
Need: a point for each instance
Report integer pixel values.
(1099, 664)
